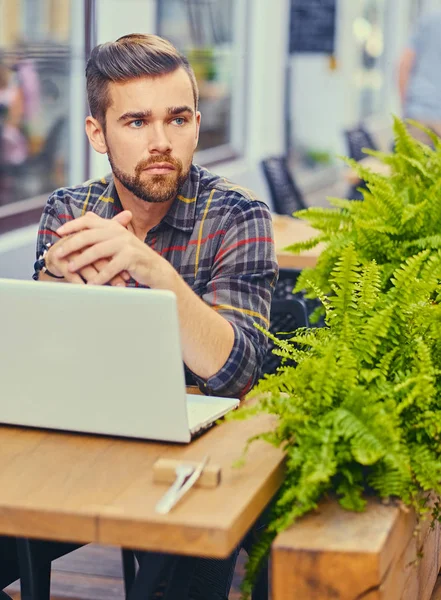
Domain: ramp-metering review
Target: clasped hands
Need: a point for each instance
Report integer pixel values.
(97, 251)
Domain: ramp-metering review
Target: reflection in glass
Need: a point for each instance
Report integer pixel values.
(368, 30)
(202, 30)
(34, 97)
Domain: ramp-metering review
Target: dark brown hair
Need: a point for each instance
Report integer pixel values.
(131, 56)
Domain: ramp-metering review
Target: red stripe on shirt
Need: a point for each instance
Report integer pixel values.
(193, 242)
(242, 243)
(180, 248)
(48, 232)
(210, 236)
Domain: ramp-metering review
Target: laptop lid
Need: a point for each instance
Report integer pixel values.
(94, 359)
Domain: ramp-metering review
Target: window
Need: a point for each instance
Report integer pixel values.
(38, 63)
(211, 34)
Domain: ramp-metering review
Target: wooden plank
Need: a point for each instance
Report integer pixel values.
(75, 586)
(437, 590)
(344, 556)
(83, 488)
(288, 230)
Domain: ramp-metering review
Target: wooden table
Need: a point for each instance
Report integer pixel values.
(371, 163)
(83, 488)
(288, 230)
(378, 554)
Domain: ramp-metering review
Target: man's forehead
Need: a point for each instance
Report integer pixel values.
(158, 92)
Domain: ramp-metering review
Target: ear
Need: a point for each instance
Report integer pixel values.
(198, 126)
(96, 135)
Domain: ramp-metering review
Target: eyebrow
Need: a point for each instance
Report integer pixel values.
(178, 110)
(143, 114)
(146, 114)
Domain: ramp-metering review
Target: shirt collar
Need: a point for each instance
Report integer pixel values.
(181, 214)
(108, 204)
(183, 210)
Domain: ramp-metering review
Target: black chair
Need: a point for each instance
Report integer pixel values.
(357, 139)
(260, 591)
(286, 316)
(286, 197)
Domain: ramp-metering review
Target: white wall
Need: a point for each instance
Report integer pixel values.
(324, 101)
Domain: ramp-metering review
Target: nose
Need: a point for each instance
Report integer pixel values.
(158, 141)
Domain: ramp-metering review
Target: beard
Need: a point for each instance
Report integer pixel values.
(158, 188)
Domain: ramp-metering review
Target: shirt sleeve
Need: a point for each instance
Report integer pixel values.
(55, 214)
(419, 33)
(244, 275)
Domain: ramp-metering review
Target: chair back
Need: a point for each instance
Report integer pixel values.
(357, 139)
(286, 197)
(286, 317)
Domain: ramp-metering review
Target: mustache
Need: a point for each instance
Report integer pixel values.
(145, 164)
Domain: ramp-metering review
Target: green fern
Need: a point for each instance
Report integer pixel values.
(360, 413)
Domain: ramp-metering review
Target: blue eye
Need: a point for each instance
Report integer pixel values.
(137, 124)
(179, 121)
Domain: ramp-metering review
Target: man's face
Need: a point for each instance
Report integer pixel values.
(151, 134)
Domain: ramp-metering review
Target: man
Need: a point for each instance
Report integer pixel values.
(161, 221)
(419, 86)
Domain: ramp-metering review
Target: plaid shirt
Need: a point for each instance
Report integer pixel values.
(220, 240)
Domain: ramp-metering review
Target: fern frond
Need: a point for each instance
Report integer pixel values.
(374, 332)
(369, 287)
(429, 132)
(405, 144)
(426, 467)
(350, 496)
(298, 247)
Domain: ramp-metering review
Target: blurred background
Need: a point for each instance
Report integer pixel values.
(286, 86)
(287, 81)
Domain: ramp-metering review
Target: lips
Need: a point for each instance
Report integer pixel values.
(160, 168)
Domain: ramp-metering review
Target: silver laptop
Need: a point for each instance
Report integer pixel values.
(97, 359)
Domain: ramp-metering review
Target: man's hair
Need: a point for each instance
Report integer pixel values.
(131, 56)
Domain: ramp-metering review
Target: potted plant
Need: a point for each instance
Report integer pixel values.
(359, 413)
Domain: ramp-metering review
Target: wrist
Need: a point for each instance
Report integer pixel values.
(163, 275)
(48, 264)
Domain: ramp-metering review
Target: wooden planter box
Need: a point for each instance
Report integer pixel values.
(380, 554)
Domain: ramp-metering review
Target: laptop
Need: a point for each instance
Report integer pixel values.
(97, 359)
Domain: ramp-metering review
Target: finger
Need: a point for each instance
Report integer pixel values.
(88, 221)
(92, 254)
(61, 266)
(68, 276)
(88, 273)
(82, 240)
(115, 266)
(123, 218)
(74, 278)
(117, 281)
(125, 275)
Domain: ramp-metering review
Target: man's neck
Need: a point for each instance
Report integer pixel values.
(145, 214)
